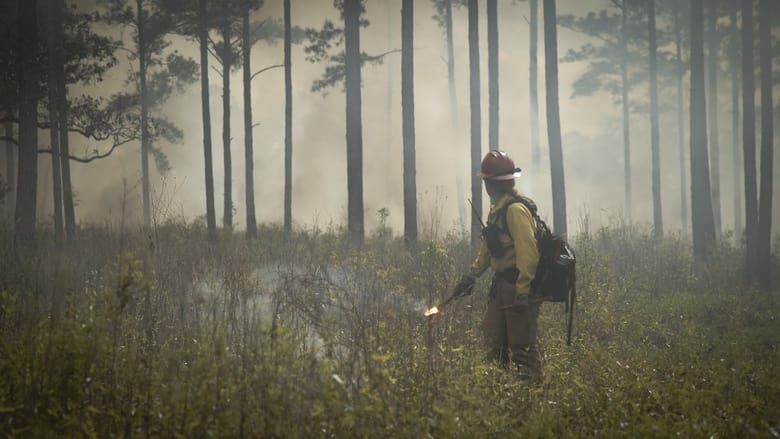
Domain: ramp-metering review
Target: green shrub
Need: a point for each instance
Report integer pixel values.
(130, 334)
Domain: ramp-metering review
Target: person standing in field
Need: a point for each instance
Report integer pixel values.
(509, 248)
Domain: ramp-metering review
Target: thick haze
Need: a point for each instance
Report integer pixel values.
(591, 128)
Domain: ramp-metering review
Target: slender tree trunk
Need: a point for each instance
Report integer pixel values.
(736, 156)
(407, 104)
(227, 64)
(391, 72)
(10, 11)
(767, 154)
(27, 184)
(10, 171)
(54, 120)
(355, 217)
(288, 120)
(701, 199)
(685, 218)
(145, 137)
(626, 107)
(713, 44)
(62, 102)
(67, 185)
(454, 110)
(476, 117)
(203, 36)
(492, 36)
(533, 87)
(553, 118)
(658, 227)
(749, 143)
(249, 160)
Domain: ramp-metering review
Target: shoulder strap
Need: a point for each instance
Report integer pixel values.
(541, 226)
(528, 203)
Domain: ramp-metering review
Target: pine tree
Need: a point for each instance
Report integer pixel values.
(553, 118)
(701, 199)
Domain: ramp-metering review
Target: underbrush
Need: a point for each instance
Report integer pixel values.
(162, 335)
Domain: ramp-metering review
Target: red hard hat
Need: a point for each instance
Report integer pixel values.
(498, 166)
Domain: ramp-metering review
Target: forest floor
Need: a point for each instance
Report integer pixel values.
(127, 334)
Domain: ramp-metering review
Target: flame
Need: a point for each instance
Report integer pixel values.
(431, 311)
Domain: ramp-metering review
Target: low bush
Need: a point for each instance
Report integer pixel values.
(162, 335)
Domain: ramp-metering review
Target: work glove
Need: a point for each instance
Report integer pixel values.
(464, 286)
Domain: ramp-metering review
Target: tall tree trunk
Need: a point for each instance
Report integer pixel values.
(145, 137)
(62, 103)
(27, 184)
(288, 121)
(685, 218)
(626, 107)
(735, 155)
(203, 37)
(454, 109)
(492, 36)
(533, 86)
(767, 140)
(554, 118)
(249, 160)
(391, 76)
(10, 171)
(749, 143)
(355, 217)
(701, 198)
(476, 118)
(713, 43)
(407, 105)
(658, 225)
(54, 120)
(227, 64)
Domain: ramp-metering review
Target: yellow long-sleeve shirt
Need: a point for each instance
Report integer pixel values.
(522, 251)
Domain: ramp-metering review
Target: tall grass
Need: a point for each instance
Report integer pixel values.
(160, 335)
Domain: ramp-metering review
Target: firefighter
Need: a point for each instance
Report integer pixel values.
(509, 248)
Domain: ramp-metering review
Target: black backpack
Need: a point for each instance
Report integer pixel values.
(555, 279)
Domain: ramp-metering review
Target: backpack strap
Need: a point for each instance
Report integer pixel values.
(541, 226)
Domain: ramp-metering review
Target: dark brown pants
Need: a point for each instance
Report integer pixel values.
(511, 331)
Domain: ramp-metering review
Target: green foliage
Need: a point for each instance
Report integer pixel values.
(308, 336)
(440, 6)
(167, 72)
(325, 45)
(603, 50)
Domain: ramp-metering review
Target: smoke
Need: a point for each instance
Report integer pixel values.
(592, 141)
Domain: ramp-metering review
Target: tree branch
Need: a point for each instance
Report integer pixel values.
(94, 136)
(382, 55)
(91, 158)
(265, 69)
(131, 52)
(214, 54)
(10, 140)
(582, 32)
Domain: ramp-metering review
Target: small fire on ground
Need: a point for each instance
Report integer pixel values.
(431, 311)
